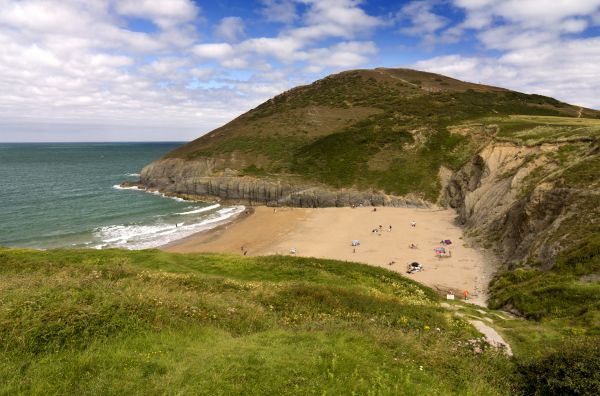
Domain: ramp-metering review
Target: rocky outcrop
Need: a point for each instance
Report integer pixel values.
(499, 202)
(206, 178)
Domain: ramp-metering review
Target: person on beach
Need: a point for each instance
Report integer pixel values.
(466, 294)
(413, 223)
(390, 230)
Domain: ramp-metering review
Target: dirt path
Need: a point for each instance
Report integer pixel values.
(492, 336)
(579, 112)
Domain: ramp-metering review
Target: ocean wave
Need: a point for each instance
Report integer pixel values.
(120, 187)
(204, 209)
(136, 236)
(136, 188)
(132, 174)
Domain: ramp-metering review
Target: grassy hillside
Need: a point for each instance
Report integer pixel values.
(389, 129)
(147, 322)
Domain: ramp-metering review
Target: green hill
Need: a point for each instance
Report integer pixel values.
(148, 322)
(388, 129)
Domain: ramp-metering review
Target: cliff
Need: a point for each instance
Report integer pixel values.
(197, 178)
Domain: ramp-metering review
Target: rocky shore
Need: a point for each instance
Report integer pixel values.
(198, 179)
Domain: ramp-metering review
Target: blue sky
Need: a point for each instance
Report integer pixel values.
(97, 70)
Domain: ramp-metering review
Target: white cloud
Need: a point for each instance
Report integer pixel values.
(532, 46)
(165, 13)
(342, 18)
(569, 72)
(213, 50)
(75, 62)
(529, 17)
(340, 56)
(283, 11)
(230, 28)
(423, 21)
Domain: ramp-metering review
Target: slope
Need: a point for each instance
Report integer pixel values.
(387, 130)
(148, 322)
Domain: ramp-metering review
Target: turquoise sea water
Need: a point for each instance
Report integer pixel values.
(67, 195)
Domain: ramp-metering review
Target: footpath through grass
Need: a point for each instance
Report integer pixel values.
(148, 322)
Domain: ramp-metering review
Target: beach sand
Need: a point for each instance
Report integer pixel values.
(328, 232)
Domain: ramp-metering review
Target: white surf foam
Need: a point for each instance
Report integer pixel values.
(137, 188)
(204, 209)
(120, 187)
(151, 236)
(132, 174)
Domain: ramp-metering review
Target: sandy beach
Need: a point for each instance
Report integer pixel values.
(328, 233)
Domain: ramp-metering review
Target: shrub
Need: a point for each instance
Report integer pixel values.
(574, 370)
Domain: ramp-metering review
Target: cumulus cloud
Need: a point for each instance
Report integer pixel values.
(165, 13)
(422, 21)
(282, 11)
(531, 48)
(65, 63)
(230, 28)
(340, 56)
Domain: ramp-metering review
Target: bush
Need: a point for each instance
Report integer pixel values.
(575, 370)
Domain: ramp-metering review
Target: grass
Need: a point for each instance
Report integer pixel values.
(535, 130)
(563, 293)
(148, 322)
(552, 356)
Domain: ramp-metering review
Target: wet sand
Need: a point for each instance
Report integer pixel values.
(328, 232)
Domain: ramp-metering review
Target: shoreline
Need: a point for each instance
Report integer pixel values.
(327, 233)
(204, 236)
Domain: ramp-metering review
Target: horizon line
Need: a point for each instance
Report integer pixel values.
(96, 142)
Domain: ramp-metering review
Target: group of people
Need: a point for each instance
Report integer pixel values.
(379, 230)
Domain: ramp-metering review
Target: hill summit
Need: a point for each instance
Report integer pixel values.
(389, 130)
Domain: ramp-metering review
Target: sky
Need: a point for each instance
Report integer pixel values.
(172, 70)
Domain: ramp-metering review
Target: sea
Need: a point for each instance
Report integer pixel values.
(67, 195)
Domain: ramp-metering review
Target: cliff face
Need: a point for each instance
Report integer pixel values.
(519, 199)
(204, 178)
